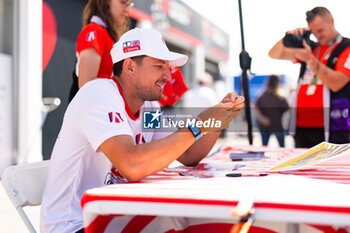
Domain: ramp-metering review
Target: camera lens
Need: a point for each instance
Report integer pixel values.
(292, 41)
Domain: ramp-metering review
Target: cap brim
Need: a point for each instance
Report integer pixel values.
(175, 59)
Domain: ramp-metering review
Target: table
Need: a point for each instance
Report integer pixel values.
(315, 195)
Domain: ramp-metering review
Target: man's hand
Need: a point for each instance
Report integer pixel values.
(237, 101)
(229, 107)
(302, 54)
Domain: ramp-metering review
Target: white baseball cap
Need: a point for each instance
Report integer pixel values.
(205, 78)
(149, 42)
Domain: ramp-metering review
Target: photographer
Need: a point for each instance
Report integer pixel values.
(321, 107)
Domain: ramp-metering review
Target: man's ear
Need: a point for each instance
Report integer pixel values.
(129, 65)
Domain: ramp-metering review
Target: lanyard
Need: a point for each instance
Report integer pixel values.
(330, 48)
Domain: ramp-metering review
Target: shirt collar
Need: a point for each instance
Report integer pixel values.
(98, 20)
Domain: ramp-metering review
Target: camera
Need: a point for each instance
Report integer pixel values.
(294, 41)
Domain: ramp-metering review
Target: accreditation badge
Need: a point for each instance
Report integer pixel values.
(311, 89)
(310, 77)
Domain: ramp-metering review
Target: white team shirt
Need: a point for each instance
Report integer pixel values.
(96, 113)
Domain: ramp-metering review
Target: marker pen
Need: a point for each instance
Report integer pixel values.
(246, 174)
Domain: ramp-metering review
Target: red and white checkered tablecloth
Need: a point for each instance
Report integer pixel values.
(201, 198)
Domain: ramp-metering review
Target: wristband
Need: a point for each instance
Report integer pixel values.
(195, 131)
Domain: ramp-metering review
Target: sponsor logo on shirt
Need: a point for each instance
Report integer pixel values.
(115, 117)
(151, 119)
(91, 36)
(131, 46)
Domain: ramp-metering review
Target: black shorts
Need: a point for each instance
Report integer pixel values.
(308, 137)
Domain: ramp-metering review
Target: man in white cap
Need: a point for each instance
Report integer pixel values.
(101, 140)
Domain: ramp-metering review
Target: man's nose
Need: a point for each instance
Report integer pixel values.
(167, 75)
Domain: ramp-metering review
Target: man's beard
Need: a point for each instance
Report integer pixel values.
(147, 94)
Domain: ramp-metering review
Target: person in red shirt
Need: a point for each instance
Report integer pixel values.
(322, 101)
(104, 22)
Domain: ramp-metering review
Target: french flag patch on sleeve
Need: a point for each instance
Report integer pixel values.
(115, 117)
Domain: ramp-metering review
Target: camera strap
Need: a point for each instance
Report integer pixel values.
(330, 48)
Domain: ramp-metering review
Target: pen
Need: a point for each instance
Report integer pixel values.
(246, 174)
(246, 159)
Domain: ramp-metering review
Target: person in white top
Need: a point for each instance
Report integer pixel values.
(202, 95)
(101, 141)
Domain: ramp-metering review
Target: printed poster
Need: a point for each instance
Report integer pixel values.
(319, 153)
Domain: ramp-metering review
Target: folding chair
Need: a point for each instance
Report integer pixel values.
(25, 184)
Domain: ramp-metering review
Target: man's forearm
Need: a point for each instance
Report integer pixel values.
(199, 149)
(278, 51)
(334, 80)
(135, 162)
